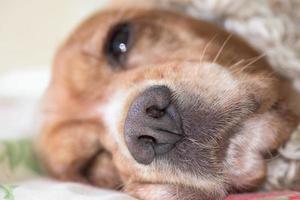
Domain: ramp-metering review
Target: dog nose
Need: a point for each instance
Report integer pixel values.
(153, 124)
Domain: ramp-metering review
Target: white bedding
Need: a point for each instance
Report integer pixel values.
(46, 189)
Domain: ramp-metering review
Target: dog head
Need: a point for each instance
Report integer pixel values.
(167, 99)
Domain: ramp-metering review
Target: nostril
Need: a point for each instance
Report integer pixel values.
(155, 112)
(147, 139)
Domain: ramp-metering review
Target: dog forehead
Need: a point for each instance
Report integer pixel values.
(101, 22)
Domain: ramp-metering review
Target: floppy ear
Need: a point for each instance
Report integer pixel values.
(261, 135)
(72, 151)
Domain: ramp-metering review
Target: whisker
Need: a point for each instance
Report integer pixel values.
(206, 46)
(236, 63)
(202, 145)
(252, 62)
(222, 48)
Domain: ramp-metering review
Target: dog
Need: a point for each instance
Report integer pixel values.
(162, 106)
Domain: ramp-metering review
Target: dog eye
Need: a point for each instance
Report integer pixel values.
(118, 44)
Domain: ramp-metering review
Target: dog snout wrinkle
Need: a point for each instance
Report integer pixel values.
(153, 124)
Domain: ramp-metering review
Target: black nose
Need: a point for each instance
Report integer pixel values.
(153, 124)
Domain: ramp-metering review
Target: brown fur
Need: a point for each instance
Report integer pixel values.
(200, 63)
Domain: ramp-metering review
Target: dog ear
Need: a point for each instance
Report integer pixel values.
(72, 151)
(271, 130)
